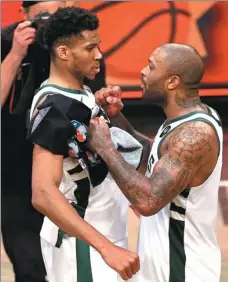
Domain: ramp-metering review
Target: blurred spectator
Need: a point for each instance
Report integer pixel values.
(25, 65)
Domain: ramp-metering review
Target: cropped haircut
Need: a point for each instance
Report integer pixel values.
(66, 23)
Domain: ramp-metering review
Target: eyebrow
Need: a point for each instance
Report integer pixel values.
(94, 44)
(150, 62)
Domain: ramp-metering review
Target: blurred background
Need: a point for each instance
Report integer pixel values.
(129, 32)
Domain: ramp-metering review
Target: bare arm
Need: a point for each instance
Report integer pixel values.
(190, 148)
(9, 70)
(120, 121)
(46, 197)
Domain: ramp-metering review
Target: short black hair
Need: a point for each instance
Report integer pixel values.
(66, 23)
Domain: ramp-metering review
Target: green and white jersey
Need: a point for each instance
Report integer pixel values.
(105, 206)
(179, 244)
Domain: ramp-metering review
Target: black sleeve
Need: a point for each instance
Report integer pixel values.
(52, 127)
(99, 81)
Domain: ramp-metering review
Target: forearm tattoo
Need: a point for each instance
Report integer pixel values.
(173, 172)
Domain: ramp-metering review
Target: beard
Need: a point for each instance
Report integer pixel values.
(155, 95)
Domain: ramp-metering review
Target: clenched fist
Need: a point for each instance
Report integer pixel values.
(24, 35)
(99, 135)
(109, 99)
(125, 262)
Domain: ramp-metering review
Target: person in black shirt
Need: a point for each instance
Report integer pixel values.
(25, 65)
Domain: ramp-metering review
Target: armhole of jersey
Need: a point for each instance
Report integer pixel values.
(39, 99)
(214, 114)
(162, 140)
(37, 103)
(192, 120)
(141, 160)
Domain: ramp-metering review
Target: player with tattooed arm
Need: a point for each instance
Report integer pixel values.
(178, 195)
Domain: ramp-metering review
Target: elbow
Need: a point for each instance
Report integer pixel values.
(39, 199)
(147, 210)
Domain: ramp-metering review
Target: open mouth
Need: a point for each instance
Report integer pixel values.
(97, 69)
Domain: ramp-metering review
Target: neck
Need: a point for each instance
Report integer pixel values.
(179, 104)
(63, 78)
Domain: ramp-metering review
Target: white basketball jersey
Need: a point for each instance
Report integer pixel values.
(107, 206)
(179, 244)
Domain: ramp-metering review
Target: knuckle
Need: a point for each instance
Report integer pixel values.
(120, 269)
(20, 25)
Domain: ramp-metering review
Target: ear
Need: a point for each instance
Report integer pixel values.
(24, 13)
(63, 52)
(173, 82)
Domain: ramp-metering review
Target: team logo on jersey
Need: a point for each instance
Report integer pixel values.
(165, 130)
(81, 131)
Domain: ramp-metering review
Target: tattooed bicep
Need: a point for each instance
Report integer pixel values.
(186, 149)
(191, 141)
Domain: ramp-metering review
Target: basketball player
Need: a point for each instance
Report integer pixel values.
(60, 191)
(24, 66)
(178, 196)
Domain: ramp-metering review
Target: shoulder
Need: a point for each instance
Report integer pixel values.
(193, 131)
(194, 139)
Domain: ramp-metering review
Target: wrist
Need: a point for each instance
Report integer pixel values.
(115, 118)
(100, 243)
(105, 150)
(16, 57)
(115, 115)
(104, 247)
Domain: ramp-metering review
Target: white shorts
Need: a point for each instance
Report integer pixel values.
(62, 264)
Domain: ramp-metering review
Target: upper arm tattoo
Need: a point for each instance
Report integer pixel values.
(187, 148)
(172, 173)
